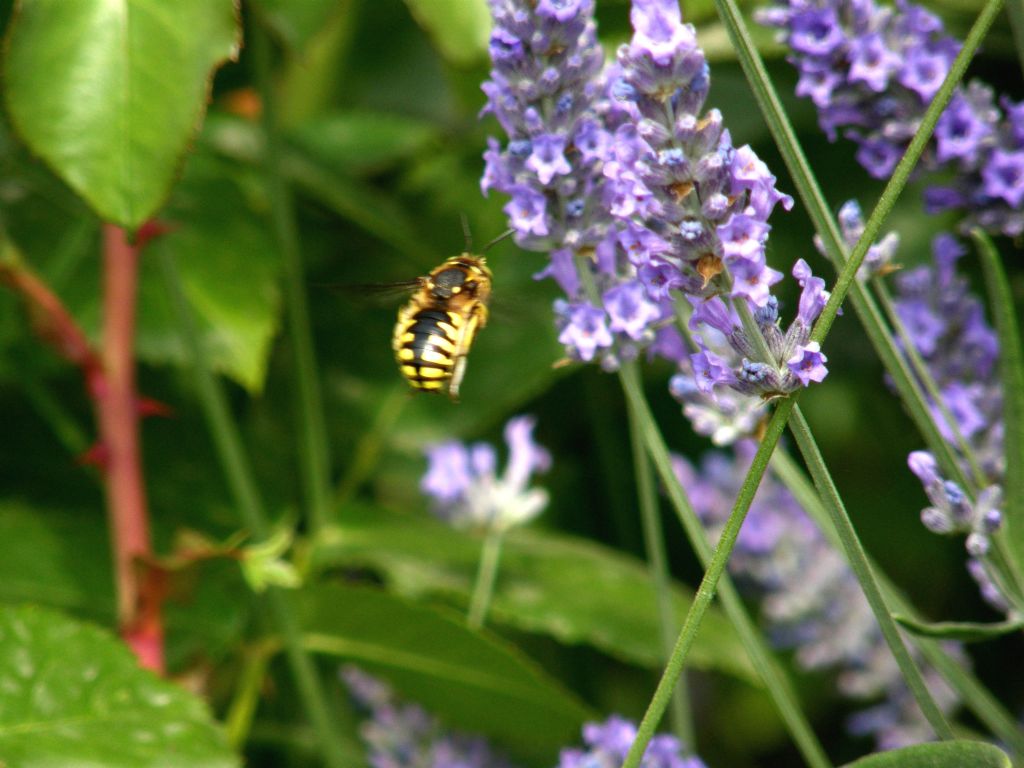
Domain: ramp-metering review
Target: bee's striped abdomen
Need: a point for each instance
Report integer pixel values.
(426, 347)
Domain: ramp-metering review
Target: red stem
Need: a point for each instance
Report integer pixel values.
(139, 592)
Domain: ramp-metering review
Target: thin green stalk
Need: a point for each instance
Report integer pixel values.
(976, 696)
(238, 721)
(858, 561)
(486, 575)
(1011, 371)
(314, 457)
(657, 561)
(924, 376)
(239, 476)
(825, 224)
(776, 683)
(368, 448)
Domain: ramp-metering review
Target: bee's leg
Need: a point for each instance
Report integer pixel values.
(457, 374)
(465, 341)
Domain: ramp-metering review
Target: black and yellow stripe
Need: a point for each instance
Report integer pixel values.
(427, 346)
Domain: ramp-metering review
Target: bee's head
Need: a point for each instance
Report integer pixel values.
(448, 282)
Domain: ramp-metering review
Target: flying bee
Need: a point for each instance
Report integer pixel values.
(437, 326)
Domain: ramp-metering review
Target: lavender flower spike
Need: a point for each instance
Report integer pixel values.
(466, 490)
(872, 72)
(809, 597)
(544, 82)
(400, 735)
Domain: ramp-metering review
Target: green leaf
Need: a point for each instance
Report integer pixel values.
(472, 681)
(74, 695)
(110, 93)
(575, 590)
(964, 631)
(298, 22)
(946, 754)
(362, 142)
(460, 29)
(229, 267)
(60, 559)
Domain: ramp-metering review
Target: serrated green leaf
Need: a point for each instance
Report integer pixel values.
(472, 681)
(575, 590)
(946, 754)
(109, 93)
(964, 631)
(74, 695)
(459, 29)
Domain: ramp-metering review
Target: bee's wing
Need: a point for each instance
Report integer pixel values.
(375, 293)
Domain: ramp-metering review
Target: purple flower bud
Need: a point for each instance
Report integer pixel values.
(813, 297)
(923, 465)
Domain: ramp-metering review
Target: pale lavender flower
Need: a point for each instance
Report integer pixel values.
(401, 735)
(872, 71)
(463, 483)
(607, 744)
(810, 599)
(947, 325)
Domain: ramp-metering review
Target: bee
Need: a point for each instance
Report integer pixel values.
(438, 324)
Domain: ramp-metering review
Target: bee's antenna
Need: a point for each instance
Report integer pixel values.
(498, 239)
(465, 231)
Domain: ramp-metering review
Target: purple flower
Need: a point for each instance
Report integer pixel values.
(872, 71)
(1003, 176)
(630, 310)
(808, 364)
(630, 178)
(946, 324)
(548, 158)
(400, 735)
(463, 483)
(871, 62)
(585, 331)
(606, 745)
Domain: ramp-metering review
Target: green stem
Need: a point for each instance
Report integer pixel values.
(1011, 371)
(654, 544)
(237, 471)
(369, 446)
(858, 561)
(825, 224)
(777, 684)
(314, 457)
(976, 696)
(486, 575)
(238, 721)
